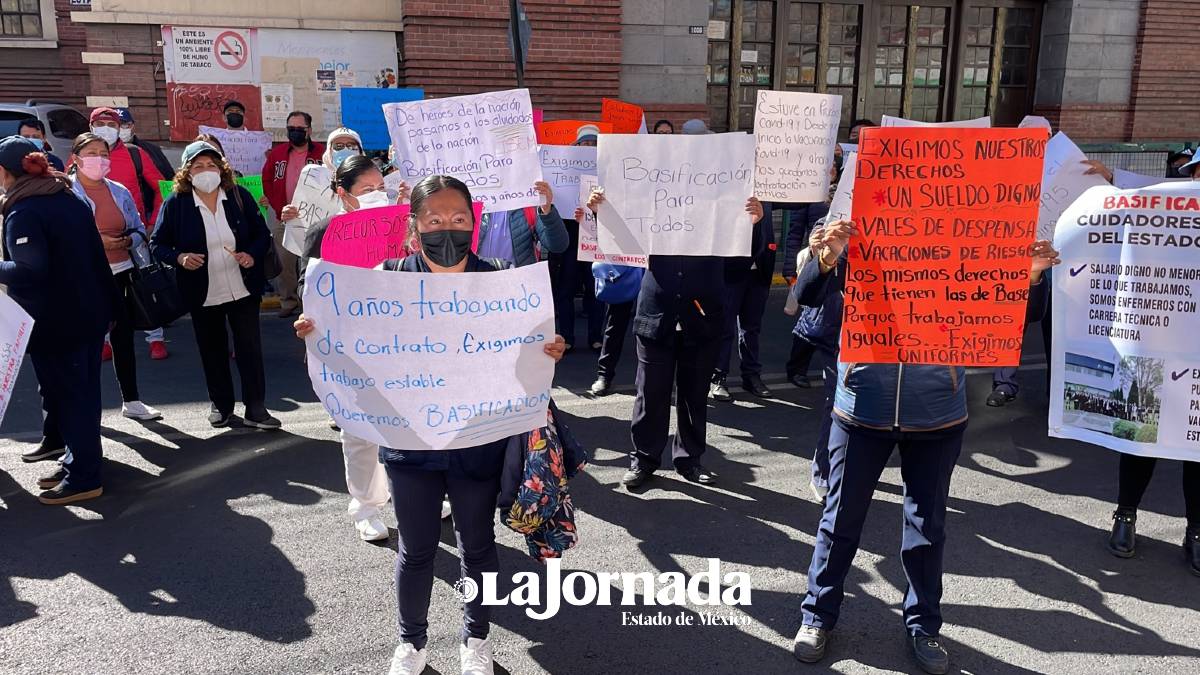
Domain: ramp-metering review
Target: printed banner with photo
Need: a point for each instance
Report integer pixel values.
(1125, 371)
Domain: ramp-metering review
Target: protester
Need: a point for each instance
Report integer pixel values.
(747, 286)
(344, 144)
(521, 236)
(55, 268)
(923, 410)
(280, 175)
(213, 233)
(129, 136)
(664, 127)
(1176, 160)
(618, 312)
(126, 247)
(235, 116)
(444, 223)
(858, 125)
(33, 128)
(131, 167)
(568, 276)
(804, 219)
(1189, 169)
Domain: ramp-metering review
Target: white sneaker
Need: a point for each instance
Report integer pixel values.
(476, 657)
(445, 509)
(818, 491)
(371, 529)
(136, 410)
(408, 660)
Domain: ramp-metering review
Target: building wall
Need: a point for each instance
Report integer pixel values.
(1166, 75)
(139, 79)
(339, 15)
(50, 74)
(662, 64)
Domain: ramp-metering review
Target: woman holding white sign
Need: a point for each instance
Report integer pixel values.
(444, 224)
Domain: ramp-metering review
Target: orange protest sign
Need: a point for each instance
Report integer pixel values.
(564, 132)
(625, 118)
(938, 272)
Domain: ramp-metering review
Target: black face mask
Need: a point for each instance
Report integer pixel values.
(446, 248)
(235, 120)
(297, 136)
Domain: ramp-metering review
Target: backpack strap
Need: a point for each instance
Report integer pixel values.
(531, 220)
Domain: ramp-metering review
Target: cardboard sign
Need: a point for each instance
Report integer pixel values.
(939, 270)
(431, 361)
(562, 167)
(1124, 369)
(15, 328)
(192, 105)
(795, 135)
(625, 118)
(245, 150)
(566, 132)
(362, 111)
(675, 195)
(485, 140)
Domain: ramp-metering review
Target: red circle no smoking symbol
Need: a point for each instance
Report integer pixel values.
(231, 50)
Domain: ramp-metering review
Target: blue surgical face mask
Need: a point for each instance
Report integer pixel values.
(340, 156)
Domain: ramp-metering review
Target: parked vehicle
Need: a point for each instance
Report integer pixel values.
(62, 122)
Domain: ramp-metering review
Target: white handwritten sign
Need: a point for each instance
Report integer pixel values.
(978, 123)
(795, 134)
(562, 166)
(431, 361)
(15, 327)
(485, 140)
(1063, 181)
(245, 150)
(316, 201)
(675, 195)
(843, 196)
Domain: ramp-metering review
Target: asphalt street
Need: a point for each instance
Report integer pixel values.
(230, 551)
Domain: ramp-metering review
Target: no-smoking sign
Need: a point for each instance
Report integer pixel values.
(231, 50)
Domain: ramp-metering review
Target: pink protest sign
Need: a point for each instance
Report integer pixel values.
(368, 237)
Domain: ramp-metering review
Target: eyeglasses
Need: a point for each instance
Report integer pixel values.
(346, 146)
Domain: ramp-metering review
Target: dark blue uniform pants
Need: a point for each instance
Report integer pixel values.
(663, 366)
(69, 381)
(745, 302)
(820, 463)
(857, 457)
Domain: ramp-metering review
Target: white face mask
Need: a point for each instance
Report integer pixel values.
(207, 181)
(126, 134)
(373, 199)
(109, 134)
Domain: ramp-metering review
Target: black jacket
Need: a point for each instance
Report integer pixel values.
(687, 291)
(760, 265)
(157, 156)
(181, 230)
(803, 218)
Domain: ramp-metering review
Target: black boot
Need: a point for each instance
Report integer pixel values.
(1124, 533)
(1191, 549)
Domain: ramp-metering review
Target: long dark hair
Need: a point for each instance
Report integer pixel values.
(349, 171)
(82, 141)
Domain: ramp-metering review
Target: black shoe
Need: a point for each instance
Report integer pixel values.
(636, 477)
(809, 644)
(754, 385)
(931, 656)
(719, 392)
(1191, 549)
(218, 419)
(43, 451)
(1000, 397)
(801, 381)
(61, 494)
(697, 474)
(601, 387)
(261, 420)
(1124, 533)
(53, 478)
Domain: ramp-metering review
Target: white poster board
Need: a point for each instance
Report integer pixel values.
(317, 202)
(1064, 179)
(978, 123)
(795, 135)
(15, 328)
(562, 167)
(675, 195)
(1125, 372)
(245, 150)
(1128, 180)
(843, 196)
(431, 361)
(485, 140)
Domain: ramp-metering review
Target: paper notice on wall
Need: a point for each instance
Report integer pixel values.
(277, 102)
(795, 136)
(245, 150)
(300, 73)
(396, 359)
(210, 55)
(1064, 179)
(978, 123)
(15, 328)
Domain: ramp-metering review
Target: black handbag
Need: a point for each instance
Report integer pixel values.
(153, 298)
(272, 265)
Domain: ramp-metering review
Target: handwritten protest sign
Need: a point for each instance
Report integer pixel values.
(562, 166)
(485, 140)
(314, 196)
(675, 195)
(253, 185)
(190, 105)
(431, 361)
(566, 132)
(391, 183)
(367, 237)
(1125, 373)
(939, 270)
(795, 134)
(978, 123)
(841, 205)
(362, 111)
(15, 327)
(1063, 181)
(625, 118)
(245, 150)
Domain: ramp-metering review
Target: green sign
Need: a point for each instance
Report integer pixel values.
(253, 185)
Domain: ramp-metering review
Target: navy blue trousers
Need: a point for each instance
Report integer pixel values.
(745, 302)
(857, 457)
(69, 381)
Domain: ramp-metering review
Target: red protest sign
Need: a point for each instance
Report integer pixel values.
(625, 118)
(565, 132)
(191, 105)
(939, 270)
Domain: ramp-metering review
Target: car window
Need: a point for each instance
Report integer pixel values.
(66, 123)
(10, 121)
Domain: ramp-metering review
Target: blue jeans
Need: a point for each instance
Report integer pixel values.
(857, 457)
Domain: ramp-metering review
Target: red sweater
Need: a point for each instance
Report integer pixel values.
(122, 172)
(274, 172)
